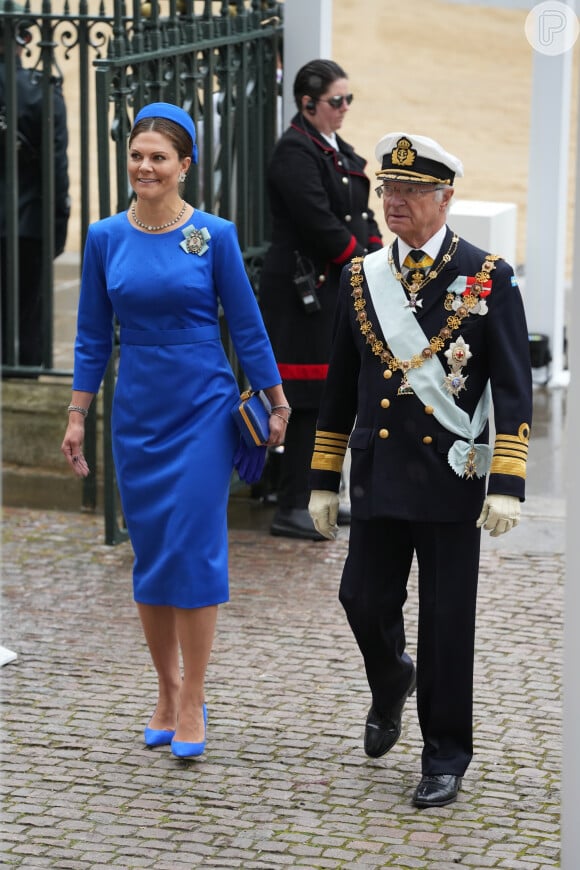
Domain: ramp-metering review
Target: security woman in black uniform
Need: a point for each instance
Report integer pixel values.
(319, 201)
(430, 333)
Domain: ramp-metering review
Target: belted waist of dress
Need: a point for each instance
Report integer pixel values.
(169, 336)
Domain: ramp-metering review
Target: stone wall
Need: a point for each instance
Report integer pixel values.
(34, 471)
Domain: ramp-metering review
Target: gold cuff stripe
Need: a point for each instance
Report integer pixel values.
(510, 440)
(510, 453)
(333, 445)
(335, 442)
(329, 450)
(516, 454)
(510, 448)
(332, 436)
(505, 465)
(327, 462)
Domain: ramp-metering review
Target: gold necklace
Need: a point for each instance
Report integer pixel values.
(161, 226)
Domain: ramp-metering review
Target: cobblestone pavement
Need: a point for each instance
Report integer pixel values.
(284, 781)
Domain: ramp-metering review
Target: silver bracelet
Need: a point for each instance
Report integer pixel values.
(282, 408)
(83, 411)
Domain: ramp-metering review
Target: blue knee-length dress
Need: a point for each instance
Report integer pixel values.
(173, 435)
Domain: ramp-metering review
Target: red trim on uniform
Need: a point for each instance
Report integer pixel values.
(295, 372)
(375, 240)
(347, 253)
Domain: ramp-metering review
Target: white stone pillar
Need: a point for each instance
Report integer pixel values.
(307, 36)
(547, 200)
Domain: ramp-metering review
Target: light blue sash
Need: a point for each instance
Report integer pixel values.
(405, 339)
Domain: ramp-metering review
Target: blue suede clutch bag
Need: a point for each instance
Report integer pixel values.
(252, 413)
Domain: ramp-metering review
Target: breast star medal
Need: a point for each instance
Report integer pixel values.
(457, 356)
(454, 383)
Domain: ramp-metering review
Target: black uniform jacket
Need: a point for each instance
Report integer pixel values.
(29, 96)
(319, 202)
(399, 450)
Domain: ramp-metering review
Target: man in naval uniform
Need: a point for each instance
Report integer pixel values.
(429, 334)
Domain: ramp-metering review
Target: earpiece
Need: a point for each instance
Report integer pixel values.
(310, 106)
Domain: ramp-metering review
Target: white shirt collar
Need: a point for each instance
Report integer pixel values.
(431, 247)
(331, 139)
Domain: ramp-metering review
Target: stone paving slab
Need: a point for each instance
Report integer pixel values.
(284, 781)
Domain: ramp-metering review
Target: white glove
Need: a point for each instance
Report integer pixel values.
(499, 514)
(323, 508)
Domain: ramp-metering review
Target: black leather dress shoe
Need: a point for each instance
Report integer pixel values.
(437, 790)
(382, 730)
(294, 523)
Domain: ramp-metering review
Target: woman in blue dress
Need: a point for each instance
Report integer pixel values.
(162, 269)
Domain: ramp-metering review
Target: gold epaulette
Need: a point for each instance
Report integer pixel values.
(510, 453)
(329, 450)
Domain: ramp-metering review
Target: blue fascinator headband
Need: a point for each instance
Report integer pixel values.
(172, 113)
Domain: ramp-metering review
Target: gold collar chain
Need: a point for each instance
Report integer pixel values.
(433, 272)
(436, 343)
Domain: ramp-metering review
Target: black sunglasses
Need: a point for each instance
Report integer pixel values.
(337, 101)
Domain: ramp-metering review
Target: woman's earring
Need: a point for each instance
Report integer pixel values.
(182, 177)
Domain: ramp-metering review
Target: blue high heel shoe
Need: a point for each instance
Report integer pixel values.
(158, 736)
(183, 749)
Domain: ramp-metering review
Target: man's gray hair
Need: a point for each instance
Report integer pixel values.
(439, 194)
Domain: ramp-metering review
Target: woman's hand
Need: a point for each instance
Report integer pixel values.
(279, 416)
(72, 447)
(278, 425)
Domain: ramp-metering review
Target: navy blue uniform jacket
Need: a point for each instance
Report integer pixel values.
(398, 448)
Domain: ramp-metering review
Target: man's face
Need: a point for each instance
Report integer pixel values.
(414, 212)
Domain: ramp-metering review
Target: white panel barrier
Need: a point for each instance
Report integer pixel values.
(489, 225)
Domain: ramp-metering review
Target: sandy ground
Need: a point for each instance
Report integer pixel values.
(460, 74)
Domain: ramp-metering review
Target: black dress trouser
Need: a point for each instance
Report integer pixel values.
(294, 485)
(373, 592)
